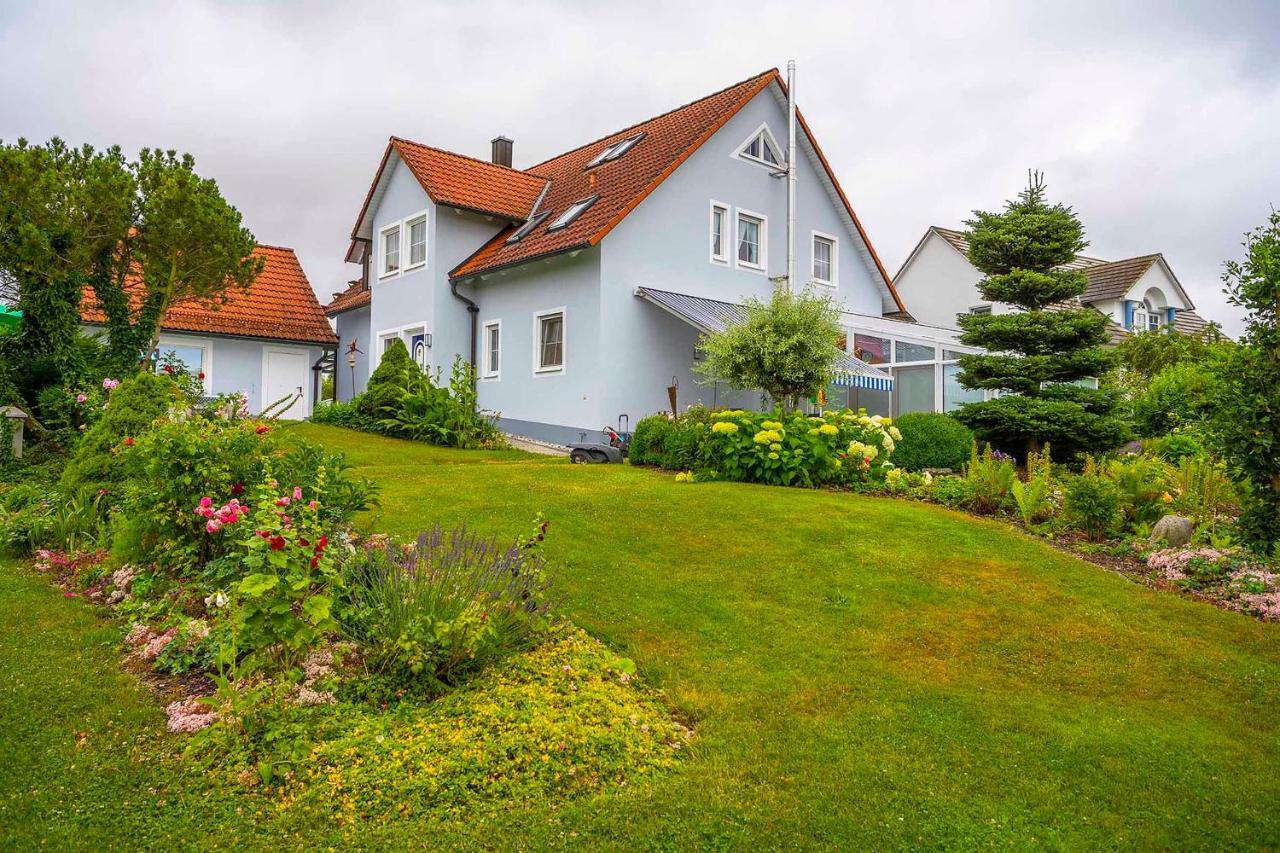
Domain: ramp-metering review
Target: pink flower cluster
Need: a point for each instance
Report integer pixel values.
(1172, 563)
(110, 384)
(229, 513)
(1265, 604)
(189, 715)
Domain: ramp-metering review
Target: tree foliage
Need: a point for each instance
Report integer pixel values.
(1041, 355)
(140, 235)
(1246, 424)
(785, 347)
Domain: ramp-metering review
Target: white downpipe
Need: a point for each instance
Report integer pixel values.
(791, 174)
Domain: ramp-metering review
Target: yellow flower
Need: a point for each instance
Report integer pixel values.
(770, 425)
(896, 435)
(775, 447)
(762, 437)
(773, 455)
(1167, 498)
(813, 432)
(829, 429)
(724, 426)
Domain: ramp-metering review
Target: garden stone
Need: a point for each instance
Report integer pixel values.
(1174, 529)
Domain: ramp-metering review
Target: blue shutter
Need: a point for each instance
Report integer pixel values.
(1128, 314)
(1171, 314)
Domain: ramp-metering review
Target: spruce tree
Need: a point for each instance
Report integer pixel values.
(1038, 354)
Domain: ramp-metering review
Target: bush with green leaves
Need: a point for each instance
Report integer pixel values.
(931, 440)
(388, 381)
(1093, 502)
(133, 409)
(429, 613)
(649, 438)
(953, 492)
(686, 445)
(349, 414)
(794, 449)
(1179, 395)
(1178, 445)
(991, 475)
(1144, 483)
(1034, 496)
(426, 410)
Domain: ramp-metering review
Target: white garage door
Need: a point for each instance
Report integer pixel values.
(286, 376)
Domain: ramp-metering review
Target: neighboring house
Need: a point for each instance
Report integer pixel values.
(1138, 294)
(579, 286)
(269, 341)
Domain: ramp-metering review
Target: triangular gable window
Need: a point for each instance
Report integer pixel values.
(762, 149)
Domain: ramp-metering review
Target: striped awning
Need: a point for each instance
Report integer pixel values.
(712, 315)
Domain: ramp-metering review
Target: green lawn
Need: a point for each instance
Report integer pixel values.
(863, 673)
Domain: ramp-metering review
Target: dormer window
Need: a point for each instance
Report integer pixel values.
(523, 230)
(762, 149)
(575, 210)
(616, 150)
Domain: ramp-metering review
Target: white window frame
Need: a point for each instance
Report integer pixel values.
(538, 316)
(814, 237)
(383, 272)
(764, 240)
(400, 332)
(721, 259)
(406, 246)
(740, 152)
(206, 356)
(490, 373)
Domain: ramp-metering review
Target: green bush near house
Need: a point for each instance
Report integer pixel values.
(1093, 503)
(931, 440)
(388, 380)
(1179, 395)
(648, 440)
(132, 409)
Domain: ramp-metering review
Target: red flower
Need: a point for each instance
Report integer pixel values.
(128, 442)
(304, 543)
(322, 543)
(168, 368)
(200, 376)
(262, 429)
(237, 489)
(315, 561)
(277, 543)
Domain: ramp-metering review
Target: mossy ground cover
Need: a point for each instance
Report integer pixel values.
(862, 672)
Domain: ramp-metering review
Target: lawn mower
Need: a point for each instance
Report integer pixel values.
(619, 445)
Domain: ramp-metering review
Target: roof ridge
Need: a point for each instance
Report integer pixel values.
(1151, 257)
(663, 114)
(439, 150)
(277, 248)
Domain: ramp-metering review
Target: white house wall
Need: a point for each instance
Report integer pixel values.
(940, 283)
(665, 243)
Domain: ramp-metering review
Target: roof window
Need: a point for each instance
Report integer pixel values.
(523, 230)
(575, 210)
(616, 150)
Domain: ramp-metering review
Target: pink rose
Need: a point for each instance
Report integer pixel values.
(213, 525)
(80, 398)
(297, 493)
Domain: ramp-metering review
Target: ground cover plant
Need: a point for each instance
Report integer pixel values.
(861, 675)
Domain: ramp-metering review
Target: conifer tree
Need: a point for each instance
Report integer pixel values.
(1037, 354)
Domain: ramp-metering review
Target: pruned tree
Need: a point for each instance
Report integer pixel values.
(1042, 355)
(785, 347)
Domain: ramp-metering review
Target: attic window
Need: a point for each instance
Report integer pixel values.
(575, 210)
(762, 148)
(616, 150)
(523, 230)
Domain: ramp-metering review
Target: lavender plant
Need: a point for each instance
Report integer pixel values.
(448, 604)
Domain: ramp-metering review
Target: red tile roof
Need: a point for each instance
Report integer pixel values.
(621, 185)
(279, 305)
(355, 296)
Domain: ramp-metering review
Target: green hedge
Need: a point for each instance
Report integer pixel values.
(932, 440)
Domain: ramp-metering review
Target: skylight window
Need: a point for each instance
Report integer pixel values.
(523, 230)
(575, 210)
(616, 150)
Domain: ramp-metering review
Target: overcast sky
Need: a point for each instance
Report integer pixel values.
(1158, 122)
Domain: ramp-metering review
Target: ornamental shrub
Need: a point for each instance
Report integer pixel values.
(649, 440)
(349, 414)
(931, 440)
(1144, 483)
(685, 447)
(132, 409)
(1093, 502)
(388, 380)
(1179, 395)
(449, 604)
(793, 449)
(992, 475)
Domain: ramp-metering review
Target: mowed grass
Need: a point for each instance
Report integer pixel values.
(862, 672)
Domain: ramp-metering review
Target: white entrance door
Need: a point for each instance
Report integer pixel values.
(286, 375)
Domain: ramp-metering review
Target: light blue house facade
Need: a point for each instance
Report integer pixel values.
(579, 287)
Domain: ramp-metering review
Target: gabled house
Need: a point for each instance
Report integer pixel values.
(1138, 294)
(269, 341)
(579, 286)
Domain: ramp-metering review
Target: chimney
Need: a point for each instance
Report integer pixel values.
(501, 151)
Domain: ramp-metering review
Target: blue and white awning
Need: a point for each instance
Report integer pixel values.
(712, 315)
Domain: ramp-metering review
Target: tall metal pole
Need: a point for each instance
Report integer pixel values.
(791, 173)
